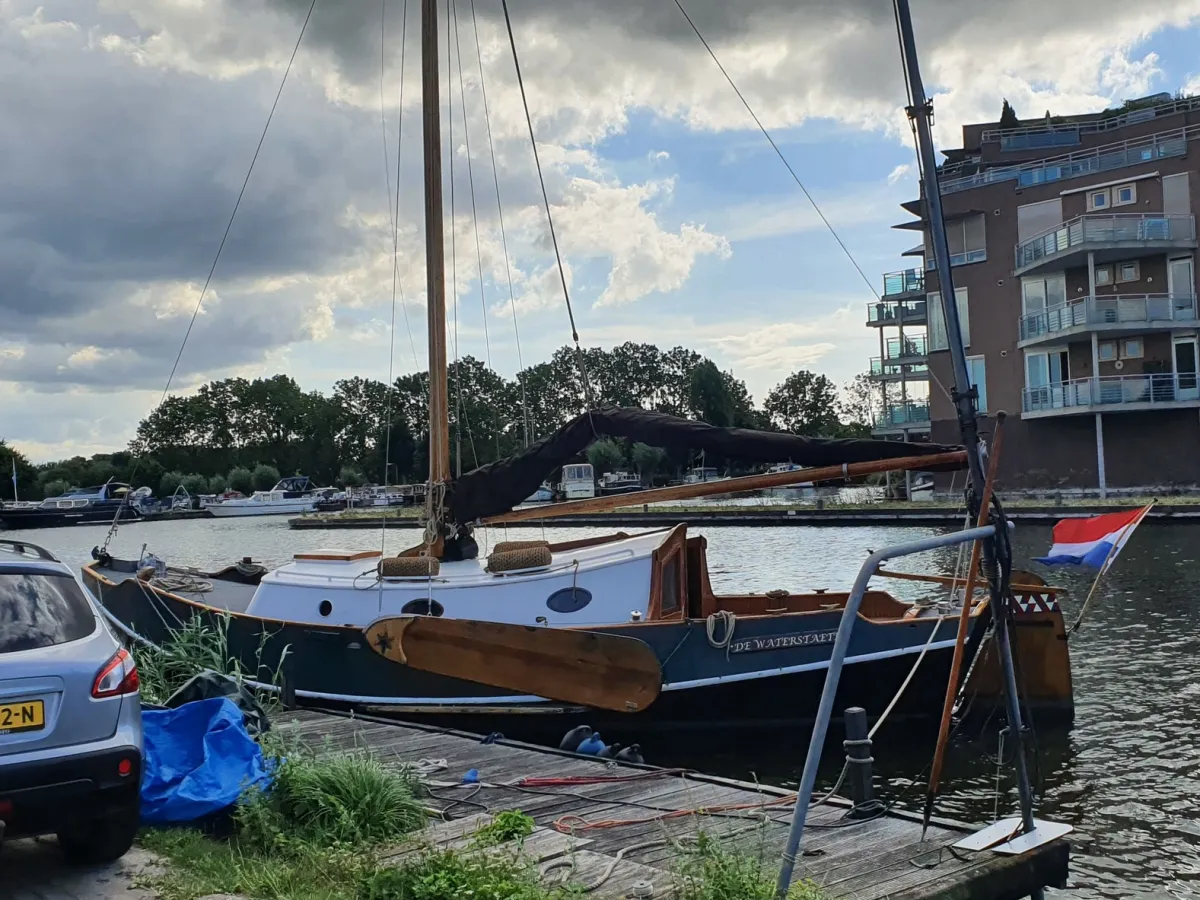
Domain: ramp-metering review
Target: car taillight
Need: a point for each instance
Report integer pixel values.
(119, 676)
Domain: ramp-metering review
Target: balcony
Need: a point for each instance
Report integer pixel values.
(886, 370)
(1112, 393)
(910, 416)
(959, 259)
(1083, 162)
(901, 284)
(1113, 314)
(1067, 133)
(1111, 237)
(896, 312)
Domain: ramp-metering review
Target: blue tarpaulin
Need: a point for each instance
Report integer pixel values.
(199, 760)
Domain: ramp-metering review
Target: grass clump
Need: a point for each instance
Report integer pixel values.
(707, 871)
(510, 825)
(199, 644)
(337, 801)
(450, 875)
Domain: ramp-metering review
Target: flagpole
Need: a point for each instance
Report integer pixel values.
(1112, 552)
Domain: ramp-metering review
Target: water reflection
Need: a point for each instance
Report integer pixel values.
(1127, 775)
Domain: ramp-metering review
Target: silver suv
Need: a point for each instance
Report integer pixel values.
(70, 716)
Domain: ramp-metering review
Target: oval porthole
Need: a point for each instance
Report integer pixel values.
(325, 608)
(422, 608)
(569, 600)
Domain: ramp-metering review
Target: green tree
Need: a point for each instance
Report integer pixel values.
(169, 483)
(240, 479)
(1008, 116)
(195, 484)
(217, 484)
(265, 477)
(605, 455)
(27, 475)
(351, 477)
(861, 402)
(648, 460)
(803, 404)
(709, 398)
(55, 487)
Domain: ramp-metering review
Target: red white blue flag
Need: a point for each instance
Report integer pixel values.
(1093, 542)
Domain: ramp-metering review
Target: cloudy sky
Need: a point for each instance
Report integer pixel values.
(127, 126)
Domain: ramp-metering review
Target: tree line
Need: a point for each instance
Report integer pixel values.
(241, 434)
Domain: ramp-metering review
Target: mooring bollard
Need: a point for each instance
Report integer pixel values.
(860, 776)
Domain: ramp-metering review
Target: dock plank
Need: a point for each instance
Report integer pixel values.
(868, 860)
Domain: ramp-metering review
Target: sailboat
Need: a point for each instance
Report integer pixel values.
(725, 659)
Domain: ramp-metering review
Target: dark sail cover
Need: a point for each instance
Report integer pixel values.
(501, 485)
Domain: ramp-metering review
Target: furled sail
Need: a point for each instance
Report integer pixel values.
(499, 486)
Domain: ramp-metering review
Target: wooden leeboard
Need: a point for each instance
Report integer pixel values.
(602, 671)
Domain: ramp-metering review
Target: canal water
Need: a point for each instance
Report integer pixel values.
(1126, 775)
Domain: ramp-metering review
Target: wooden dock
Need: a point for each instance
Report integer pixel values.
(622, 828)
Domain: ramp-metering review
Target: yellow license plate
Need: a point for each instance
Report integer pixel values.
(29, 715)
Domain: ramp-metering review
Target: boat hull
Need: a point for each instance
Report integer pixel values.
(771, 676)
(50, 518)
(280, 508)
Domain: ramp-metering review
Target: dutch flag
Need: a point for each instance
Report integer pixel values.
(1093, 542)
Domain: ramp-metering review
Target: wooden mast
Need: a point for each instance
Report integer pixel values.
(435, 274)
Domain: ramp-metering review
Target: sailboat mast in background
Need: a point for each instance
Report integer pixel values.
(435, 275)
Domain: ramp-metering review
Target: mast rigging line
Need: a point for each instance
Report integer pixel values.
(221, 246)
(512, 300)
(562, 276)
(783, 159)
(462, 93)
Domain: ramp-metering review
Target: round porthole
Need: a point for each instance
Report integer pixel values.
(325, 608)
(569, 600)
(422, 608)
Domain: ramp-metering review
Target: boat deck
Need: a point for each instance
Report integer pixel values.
(222, 594)
(637, 822)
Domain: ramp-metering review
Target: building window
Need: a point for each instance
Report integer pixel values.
(937, 321)
(977, 374)
(1104, 275)
(967, 239)
(1107, 351)
(1041, 293)
(1132, 349)
(1124, 195)
(1098, 199)
(1127, 272)
(1046, 368)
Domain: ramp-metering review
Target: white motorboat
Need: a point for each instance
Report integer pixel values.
(578, 481)
(290, 496)
(792, 490)
(620, 483)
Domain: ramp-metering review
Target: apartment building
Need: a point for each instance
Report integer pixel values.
(1073, 245)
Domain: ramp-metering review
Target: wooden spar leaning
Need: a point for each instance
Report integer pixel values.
(435, 274)
(939, 753)
(728, 486)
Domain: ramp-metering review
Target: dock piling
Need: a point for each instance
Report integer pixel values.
(860, 776)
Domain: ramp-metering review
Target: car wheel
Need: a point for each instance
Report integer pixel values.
(100, 840)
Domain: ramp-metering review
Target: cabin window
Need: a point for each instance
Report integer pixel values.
(423, 607)
(569, 600)
(672, 581)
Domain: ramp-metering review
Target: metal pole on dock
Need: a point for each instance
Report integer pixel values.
(837, 659)
(920, 112)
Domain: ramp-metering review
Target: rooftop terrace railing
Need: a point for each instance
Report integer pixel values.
(1012, 138)
(1083, 162)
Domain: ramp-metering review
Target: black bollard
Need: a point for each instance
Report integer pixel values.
(860, 777)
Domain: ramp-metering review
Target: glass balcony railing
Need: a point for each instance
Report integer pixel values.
(959, 259)
(1083, 394)
(910, 346)
(1083, 162)
(1132, 310)
(1054, 134)
(908, 281)
(885, 368)
(1093, 229)
(911, 413)
(896, 312)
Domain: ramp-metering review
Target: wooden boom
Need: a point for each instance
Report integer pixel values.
(728, 486)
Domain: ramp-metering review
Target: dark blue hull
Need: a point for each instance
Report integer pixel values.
(770, 675)
(37, 517)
